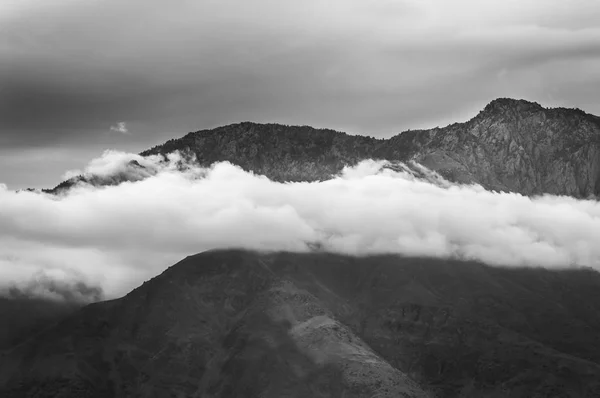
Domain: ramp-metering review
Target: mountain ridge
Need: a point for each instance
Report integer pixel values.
(511, 145)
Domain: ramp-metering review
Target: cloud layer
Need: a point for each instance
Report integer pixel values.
(118, 236)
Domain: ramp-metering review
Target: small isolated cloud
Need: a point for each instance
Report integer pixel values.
(115, 237)
(120, 127)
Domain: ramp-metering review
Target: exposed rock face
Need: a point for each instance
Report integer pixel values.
(242, 324)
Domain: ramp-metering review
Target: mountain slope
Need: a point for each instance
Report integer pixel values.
(243, 324)
(24, 317)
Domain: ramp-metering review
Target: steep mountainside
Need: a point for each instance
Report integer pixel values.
(242, 324)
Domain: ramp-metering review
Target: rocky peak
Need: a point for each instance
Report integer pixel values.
(519, 146)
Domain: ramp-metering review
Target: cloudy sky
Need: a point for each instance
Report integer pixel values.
(78, 77)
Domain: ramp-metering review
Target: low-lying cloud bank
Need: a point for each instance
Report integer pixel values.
(115, 237)
(53, 287)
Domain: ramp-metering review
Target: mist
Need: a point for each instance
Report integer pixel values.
(42, 285)
(102, 241)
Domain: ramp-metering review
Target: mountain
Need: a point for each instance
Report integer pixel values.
(29, 308)
(233, 323)
(511, 145)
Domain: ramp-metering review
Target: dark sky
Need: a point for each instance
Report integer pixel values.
(78, 77)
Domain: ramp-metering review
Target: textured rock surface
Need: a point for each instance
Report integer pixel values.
(241, 324)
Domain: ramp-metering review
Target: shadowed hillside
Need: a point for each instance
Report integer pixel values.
(24, 317)
(242, 324)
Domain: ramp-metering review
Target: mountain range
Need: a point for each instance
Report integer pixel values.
(511, 145)
(235, 323)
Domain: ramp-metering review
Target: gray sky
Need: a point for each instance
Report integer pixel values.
(72, 70)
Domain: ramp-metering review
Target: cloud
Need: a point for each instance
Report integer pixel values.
(114, 167)
(115, 237)
(120, 127)
(43, 284)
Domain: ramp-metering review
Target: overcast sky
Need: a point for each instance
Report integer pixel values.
(77, 77)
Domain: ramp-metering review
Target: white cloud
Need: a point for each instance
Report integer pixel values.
(118, 236)
(120, 127)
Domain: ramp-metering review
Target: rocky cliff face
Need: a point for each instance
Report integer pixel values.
(243, 324)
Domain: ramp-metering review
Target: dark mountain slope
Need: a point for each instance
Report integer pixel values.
(242, 324)
(23, 317)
